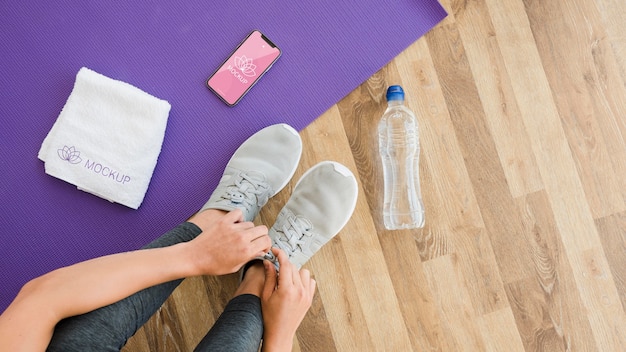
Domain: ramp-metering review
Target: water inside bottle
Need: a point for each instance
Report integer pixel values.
(399, 150)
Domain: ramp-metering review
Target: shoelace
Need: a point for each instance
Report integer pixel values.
(292, 234)
(292, 231)
(248, 189)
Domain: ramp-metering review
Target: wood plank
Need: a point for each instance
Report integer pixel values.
(482, 162)
(445, 279)
(164, 331)
(538, 301)
(499, 331)
(612, 231)
(493, 84)
(613, 13)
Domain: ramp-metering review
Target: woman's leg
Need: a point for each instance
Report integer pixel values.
(240, 326)
(108, 328)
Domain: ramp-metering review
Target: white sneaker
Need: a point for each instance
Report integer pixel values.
(258, 169)
(321, 204)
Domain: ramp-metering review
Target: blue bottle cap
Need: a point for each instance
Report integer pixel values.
(395, 93)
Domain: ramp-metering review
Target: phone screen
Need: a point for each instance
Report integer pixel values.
(252, 58)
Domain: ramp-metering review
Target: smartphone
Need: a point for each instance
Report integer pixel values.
(245, 66)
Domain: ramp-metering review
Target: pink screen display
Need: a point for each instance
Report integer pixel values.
(243, 68)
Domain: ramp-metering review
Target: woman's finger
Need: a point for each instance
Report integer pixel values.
(234, 216)
(261, 245)
(286, 268)
(270, 279)
(254, 232)
(305, 277)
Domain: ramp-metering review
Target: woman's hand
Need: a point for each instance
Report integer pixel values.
(226, 242)
(285, 300)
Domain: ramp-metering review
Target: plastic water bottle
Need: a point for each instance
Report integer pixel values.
(398, 141)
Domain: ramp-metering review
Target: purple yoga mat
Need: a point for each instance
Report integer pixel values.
(168, 49)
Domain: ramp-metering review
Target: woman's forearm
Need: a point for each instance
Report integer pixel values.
(88, 285)
(83, 287)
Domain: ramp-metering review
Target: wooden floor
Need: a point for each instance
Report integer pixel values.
(522, 111)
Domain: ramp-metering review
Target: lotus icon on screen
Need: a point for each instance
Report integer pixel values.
(245, 65)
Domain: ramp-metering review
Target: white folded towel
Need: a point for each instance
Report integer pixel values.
(107, 139)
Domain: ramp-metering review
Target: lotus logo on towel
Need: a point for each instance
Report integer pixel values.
(69, 154)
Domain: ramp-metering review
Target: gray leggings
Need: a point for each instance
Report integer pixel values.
(239, 328)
